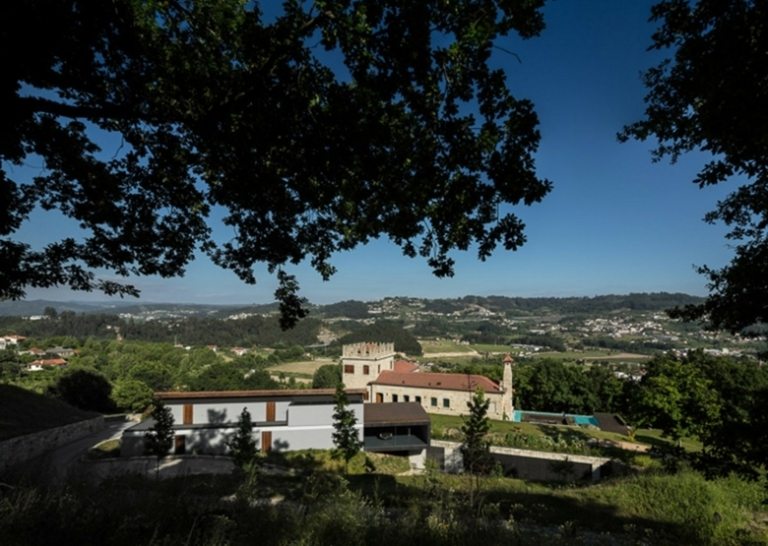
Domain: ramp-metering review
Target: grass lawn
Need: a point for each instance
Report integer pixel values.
(107, 449)
(306, 368)
(601, 355)
(315, 506)
(654, 437)
(491, 348)
(560, 439)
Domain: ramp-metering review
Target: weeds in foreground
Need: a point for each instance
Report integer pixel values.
(317, 507)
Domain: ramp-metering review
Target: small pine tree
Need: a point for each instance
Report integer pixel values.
(345, 436)
(159, 439)
(241, 444)
(475, 449)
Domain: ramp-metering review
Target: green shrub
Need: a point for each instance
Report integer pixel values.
(697, 510)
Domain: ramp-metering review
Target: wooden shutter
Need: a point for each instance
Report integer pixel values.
(270, 411)
(187, 414)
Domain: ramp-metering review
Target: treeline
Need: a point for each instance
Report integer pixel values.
(351, 309)
(383, 332)
(658, 301)
(247, 332)
(106, 375)
(606, 342)
(720, 401)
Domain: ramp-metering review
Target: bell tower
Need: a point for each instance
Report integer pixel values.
(507, 406)
(362, 363)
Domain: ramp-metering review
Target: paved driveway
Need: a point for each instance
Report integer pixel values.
(55, 465)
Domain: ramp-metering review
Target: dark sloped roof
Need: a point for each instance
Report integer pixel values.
(394, 413)
(273, 393)
(610, 423)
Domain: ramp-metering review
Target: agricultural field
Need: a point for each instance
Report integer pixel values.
(430, 346)
(591, 355)
(302, 367)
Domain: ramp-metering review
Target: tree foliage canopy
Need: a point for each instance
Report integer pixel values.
(712, 95)
(309, 131)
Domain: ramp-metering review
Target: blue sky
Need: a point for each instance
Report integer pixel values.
(614, 223)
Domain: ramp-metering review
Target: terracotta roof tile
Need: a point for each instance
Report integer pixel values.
(403, 366)
(49, 362)
(447, 381)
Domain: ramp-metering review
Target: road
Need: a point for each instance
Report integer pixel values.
(55, 465)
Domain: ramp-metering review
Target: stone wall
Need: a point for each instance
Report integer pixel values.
(527, 464)
(23, 448)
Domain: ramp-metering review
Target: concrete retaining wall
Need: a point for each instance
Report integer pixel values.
(23, 448)
(527, 464)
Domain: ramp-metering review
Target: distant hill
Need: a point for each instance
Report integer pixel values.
(353, 309)
(27, 308)
(24, 412)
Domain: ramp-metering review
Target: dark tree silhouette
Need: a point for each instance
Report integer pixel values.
(159, 439)
(215, 104)
(84, 389)
(712, 95)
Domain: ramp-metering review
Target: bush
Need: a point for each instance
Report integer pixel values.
(84, 389)
(132, 395)
(701, 511)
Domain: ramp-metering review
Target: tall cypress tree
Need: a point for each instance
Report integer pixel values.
(475, 449)
(241, 445)
(159, 439)
(345, 436)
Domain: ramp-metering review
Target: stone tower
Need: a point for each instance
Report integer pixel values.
(507, 405)
(362, 363)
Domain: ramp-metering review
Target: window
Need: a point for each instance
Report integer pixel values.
(406, 398)
(446, 403)
(349, 368)
(394, 398)
(418, 399)
(433, 402)
(366, 369)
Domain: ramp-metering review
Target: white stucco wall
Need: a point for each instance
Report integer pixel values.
(457, 399)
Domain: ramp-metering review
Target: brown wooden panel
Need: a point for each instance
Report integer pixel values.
(180, 445)
(187, 414)
(270, 411)
(266, 441)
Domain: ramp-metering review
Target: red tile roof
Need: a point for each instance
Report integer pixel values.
(49, 362)
(446, 381)
(403, 366)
